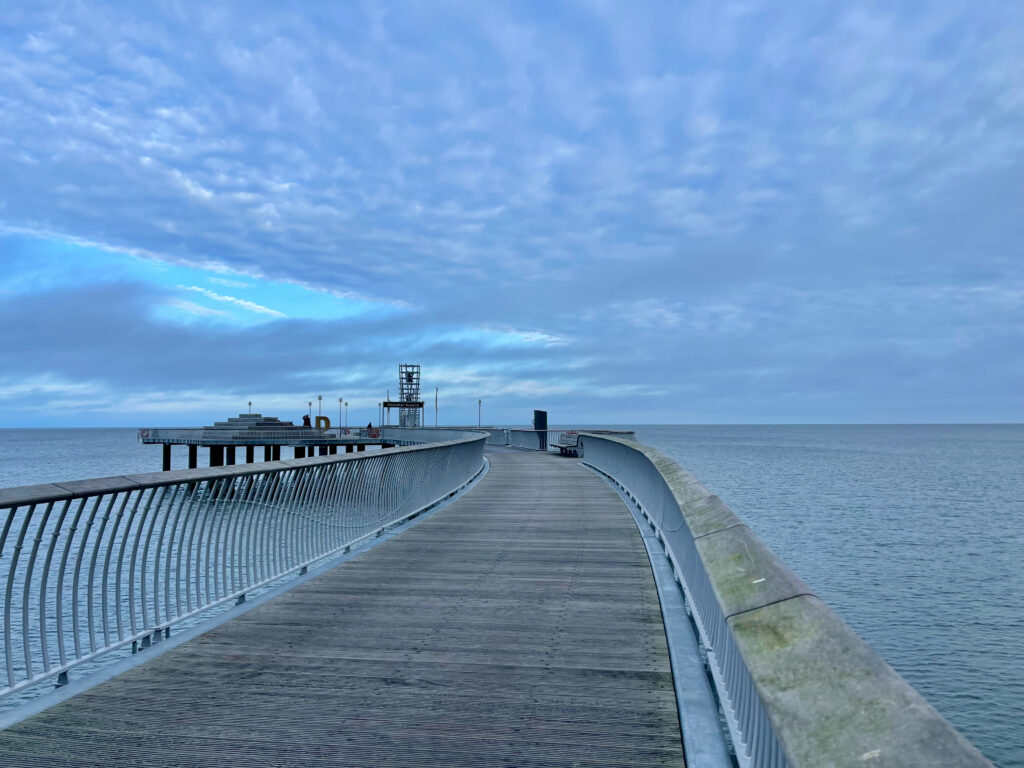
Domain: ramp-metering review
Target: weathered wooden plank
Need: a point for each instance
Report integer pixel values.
(519, 626)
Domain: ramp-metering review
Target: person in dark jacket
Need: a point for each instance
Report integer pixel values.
(305, 420)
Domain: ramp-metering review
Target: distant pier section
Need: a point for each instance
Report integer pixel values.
(251, 431)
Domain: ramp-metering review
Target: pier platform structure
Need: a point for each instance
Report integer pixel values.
(478, 606)
(238, 438)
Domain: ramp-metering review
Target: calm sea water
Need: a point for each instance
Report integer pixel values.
(914, 535)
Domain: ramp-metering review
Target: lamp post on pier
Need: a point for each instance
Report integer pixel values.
(319, 406)
(346, 415)
(479, 410)
(339, 417)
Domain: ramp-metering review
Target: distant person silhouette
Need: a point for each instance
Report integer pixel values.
(305, 420)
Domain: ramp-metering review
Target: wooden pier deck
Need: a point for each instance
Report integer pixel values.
(520, 626)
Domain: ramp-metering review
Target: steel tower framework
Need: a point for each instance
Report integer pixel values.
(409, 392)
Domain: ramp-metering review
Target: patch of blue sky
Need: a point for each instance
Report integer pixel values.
(183, 292)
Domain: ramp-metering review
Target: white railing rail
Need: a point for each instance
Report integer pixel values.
(798, 688)
(92, 565)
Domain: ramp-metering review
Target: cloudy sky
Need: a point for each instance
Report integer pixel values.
(621, 212)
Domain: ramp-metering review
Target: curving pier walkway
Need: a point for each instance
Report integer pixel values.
(520, 626)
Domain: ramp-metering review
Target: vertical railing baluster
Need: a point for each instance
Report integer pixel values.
(125, 536)
(76, 577)
(115, 530)
(54, 538)
(213, 509)
(254, 527)
(214, 564)
(9, 592)
(156, 557)
(181, 491)
(61, 644)
(188, 524)
(151, 520)
(27, 593)
(91, 582)
(236, 546)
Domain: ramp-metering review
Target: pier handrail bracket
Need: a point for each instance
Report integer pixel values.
(798, 688)
(91, 566)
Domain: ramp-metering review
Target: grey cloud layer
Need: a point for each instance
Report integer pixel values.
(758, 211)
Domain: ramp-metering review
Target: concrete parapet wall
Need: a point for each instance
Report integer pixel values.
(798, 687)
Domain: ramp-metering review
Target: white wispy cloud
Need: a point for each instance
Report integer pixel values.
(241, 303)
(191, 308)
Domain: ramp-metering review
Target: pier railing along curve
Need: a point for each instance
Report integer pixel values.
(92, 565)
(544, 439)
(419, 435)
(798, 687)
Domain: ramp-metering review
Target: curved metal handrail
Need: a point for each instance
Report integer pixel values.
(546, 439)
(92, 565)
(798, 687)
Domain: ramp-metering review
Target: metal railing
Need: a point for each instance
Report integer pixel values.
(547, 439)
(278, 436)
(92, 565)
(417, 435)
(798, 688)
(496, 436)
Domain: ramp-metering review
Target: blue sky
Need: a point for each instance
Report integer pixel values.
(621, 212)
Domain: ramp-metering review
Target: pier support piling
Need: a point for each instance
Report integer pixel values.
(268, 453)
(230, 454)
(193, 456)
(216, 455)
(300, 452)
(323, 450)
(167, 457)
(277, 452)
(333, 450)
(250, 454)
(349, 448)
